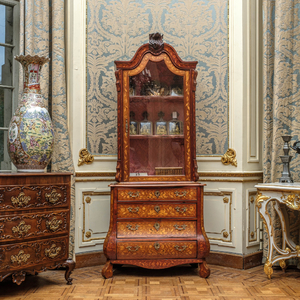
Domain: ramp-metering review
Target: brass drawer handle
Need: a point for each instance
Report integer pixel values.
(53, 197)
(133, 250)
(20, 257)
(157, 194)
(53, 251)
(177, 227)
(21, 200)
(156, 226)
(133, 210)
(132, 195)
(53, 224)
(156, 246)
(157, 208)
(178, 248)
(180, 195)
(21, 228)
(181, 209)
(129, 226)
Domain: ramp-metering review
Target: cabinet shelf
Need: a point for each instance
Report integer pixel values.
(168, 137)
(155, 98)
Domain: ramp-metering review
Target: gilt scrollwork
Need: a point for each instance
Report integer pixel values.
(260, 198)
(229, 158)
(53, 224)
(20, 257)
(268, 268)
(85, 157)
(21, 229)
(53, 197)
(53, 251)
(21, 200)
(292, 201)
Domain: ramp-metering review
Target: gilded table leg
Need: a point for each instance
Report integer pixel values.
(268, 269)
(70, 265)
(204, 270)
(107, 271)
(282, 265)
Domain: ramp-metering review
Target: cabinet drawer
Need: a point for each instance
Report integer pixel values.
(27, 255)
(158, 194)
(15, 227)
(156, 229)
(37, 196)
(158, 249)
(157, 210)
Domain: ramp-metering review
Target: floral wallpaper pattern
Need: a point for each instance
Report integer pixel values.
(281, 67)
(197, 29)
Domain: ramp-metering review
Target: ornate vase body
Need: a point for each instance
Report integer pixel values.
(30, 132)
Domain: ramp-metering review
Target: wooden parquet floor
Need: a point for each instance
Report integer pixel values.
(178, 283)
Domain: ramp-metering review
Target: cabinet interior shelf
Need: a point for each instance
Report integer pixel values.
(139, 137)
(156, 98)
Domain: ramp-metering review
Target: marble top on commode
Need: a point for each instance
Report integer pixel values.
(279, 186)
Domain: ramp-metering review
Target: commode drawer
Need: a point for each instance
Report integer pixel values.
(157, 194)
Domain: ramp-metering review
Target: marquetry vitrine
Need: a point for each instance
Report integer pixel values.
(157, 204)
(34, 224)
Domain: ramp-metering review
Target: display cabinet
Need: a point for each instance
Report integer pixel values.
(157, 205)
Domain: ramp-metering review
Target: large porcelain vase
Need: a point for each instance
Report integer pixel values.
(30, 133)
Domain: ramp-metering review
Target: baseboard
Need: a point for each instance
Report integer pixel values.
(90, 259)
(236, 261)
(229, 260)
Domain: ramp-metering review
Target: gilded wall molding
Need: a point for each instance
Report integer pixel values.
(252, 234)
(229, 158)
(85, 157)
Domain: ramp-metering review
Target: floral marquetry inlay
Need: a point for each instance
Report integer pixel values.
(21, 200)
(21, 257)
(21, 229)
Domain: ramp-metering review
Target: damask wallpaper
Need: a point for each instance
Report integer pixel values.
(197, 29)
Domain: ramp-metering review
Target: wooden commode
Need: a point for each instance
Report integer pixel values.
(156, 217)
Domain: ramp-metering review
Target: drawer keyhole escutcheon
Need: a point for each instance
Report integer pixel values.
(53, 251)
(133, 210)
(136, 248)
(129, 226)
(157, 208)
(180, 249)
(132, 195)
(156, 226)
(181, 209)
(156, 246)
(183, 194)
(177, 227)
(157, 194)
(21, 200)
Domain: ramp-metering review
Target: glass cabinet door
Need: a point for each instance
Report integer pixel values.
(156, 126)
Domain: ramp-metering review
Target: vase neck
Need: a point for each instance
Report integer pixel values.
(32, 78)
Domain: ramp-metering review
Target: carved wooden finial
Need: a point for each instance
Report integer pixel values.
(156, 43)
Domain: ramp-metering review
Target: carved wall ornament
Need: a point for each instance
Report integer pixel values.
(225, 234)
(88, 234)
(53, 251)
(229, 158)
(156, 43)
(53, 224)
(21, 228)
(85, 157)
(20, 257)
(53, 197)
(88, 199)
(21, 200)
(225, 199)
(252, 234)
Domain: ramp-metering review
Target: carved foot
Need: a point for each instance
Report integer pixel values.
(70, 265)
(282, 265)
(268, 269)
(107, 271)
(204, 270)
(18, 277)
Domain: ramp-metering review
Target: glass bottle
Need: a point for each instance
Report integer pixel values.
(145, 127)
(133, 127)
(175, 126)
(161, 125)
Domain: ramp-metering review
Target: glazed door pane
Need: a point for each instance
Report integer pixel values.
(156, 128)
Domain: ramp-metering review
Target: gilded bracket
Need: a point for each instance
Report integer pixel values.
(85, 157)
(229, 158)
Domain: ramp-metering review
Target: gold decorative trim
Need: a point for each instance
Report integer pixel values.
(95, 174)
(96, 180)
(230, 174)
(85, 157)
(53, 251)
(229, 180)
(260, 198)
(252, 236)
(292, 201)
(20, 257)
(88, 234)
(53, 197)
(53, 224)
(225, 234)
(88, 199)
(225, 199)
(229, 158)
(21, 228)
(21, 200)
(268, 268)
